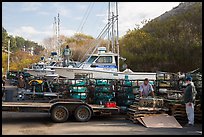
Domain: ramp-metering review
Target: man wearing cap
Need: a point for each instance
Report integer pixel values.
(146, 88)
(189, 98)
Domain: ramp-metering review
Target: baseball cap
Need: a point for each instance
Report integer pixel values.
(188, 78)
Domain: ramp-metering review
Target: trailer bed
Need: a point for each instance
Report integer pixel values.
(26, 104)
(45, 107)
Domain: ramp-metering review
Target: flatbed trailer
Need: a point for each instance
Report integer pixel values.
(60, 110)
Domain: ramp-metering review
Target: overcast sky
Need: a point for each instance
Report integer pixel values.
(34, 20)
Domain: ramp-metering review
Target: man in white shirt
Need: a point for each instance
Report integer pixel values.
(146, 88)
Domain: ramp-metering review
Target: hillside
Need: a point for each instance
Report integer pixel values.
(180, 9)
(171, 42)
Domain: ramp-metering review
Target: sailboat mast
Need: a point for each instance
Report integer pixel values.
(117, 37)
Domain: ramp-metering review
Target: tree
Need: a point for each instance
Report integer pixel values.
(173, 43)
(4, 39)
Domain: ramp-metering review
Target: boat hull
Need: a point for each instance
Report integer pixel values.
(41, 72)
(73, 73)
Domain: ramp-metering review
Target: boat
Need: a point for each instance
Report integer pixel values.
(104, 64)
(44, 68)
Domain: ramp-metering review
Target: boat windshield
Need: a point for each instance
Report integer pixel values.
(104, 59)
(92, 58)
(52, 64)
(38, 66)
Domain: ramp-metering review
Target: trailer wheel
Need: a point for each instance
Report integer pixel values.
(59, 114)
(83, 113)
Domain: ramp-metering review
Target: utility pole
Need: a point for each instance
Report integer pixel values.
(31, 52)
(8, 53)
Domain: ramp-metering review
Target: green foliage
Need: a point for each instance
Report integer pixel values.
(79, 43)
(172, 44)
(18, 58)
(21, 59)
(4, 61)
(4, 38)
(18, 43)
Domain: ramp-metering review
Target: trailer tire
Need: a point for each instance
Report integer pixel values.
(59, 114)
(83, 113)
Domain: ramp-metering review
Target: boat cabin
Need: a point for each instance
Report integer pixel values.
(101, 61)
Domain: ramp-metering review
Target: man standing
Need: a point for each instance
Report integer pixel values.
(66, 55)
(21, 82)
(146, 88)
(189, 98)
(21, 85)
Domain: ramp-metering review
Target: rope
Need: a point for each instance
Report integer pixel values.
(101, 35)
(85, 17)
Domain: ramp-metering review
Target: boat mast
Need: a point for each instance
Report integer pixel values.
(58, 33)
(55, 33)
(117, 37)
(113, 47)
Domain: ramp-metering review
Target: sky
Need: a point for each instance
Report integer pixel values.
(34, 20)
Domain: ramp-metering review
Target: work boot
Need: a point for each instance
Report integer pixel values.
(189, 125)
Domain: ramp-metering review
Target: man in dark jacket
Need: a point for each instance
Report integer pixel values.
(21, 82)
(189, 98)
(21, 85)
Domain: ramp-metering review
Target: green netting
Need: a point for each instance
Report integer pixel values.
(79, 89)
(26, 74)
(102, 97)
(77, 82)
(102, 89)
(79, 96)
(127, 83)
(101, 83)
(125, 101)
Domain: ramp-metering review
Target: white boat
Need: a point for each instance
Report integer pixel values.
(104, 64)
(42, 69)
(101, 66)
(39, 69)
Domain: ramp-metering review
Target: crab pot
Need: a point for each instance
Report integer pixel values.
(151, 102)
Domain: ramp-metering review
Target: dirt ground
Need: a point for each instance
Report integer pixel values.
(16, 123)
